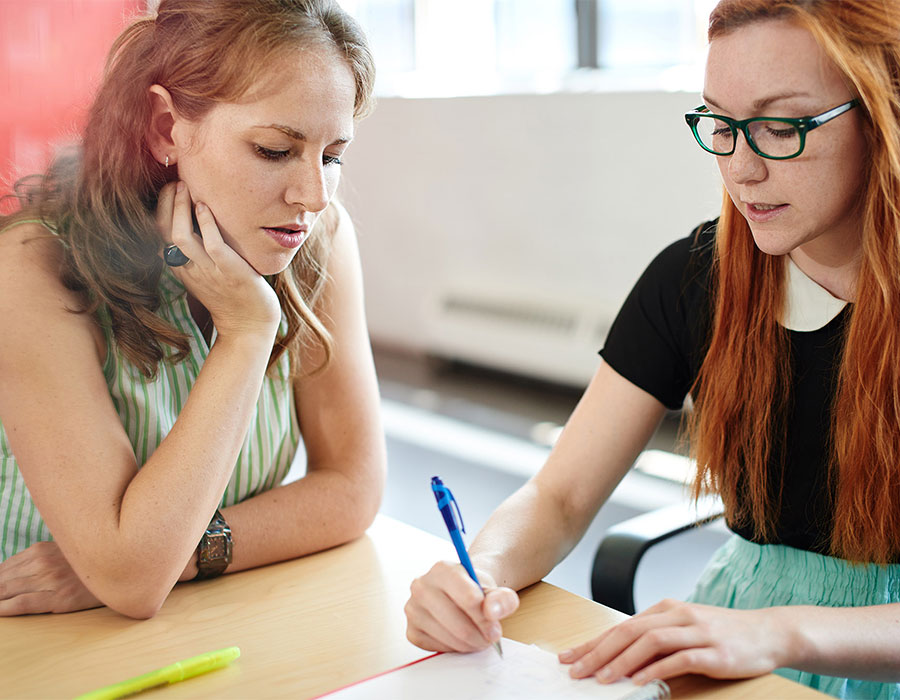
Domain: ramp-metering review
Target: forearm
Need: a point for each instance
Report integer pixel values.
(537, 526)
(339, 416)
(861, 642)
(165, 507)
(523, 539)
(323, 509)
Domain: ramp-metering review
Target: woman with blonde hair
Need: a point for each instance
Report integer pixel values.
(781, 320)
(182, 304)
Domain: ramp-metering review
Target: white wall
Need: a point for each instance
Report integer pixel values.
(542, 208)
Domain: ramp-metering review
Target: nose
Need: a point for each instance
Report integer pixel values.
(310, 185)
(744, 165)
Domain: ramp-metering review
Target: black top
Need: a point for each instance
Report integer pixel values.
(658, 342)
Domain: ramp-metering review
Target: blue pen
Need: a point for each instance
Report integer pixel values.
(445, 501)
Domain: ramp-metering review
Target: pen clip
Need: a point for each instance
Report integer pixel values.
(447, 499)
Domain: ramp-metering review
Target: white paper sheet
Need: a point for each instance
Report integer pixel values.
(525, 671)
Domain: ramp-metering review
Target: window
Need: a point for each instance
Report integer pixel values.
(475, 47)
(642, 33)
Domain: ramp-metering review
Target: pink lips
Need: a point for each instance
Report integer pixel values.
(287, 236)
(760, 212)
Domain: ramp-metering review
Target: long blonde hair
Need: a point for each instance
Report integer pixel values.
(742, 392)
(100, 199)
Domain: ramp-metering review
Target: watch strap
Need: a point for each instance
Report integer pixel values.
(215, 548)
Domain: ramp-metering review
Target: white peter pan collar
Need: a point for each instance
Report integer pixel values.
(808, 305)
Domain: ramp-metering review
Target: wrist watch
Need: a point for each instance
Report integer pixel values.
(214, 550)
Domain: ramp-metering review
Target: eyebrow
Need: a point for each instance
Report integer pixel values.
(298, 135)
(764, 102)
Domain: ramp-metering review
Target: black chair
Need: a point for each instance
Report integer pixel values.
(623, 545)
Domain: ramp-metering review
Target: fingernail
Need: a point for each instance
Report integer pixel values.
(200, 207)
(567, 654)
(639, 677)
(180, 186)
(495, 609)
(578, 669)
(604, 676)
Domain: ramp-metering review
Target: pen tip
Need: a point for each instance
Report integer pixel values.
(499, 649)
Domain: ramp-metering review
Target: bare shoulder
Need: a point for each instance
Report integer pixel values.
(33, 298)
(340, 214)
(340, 306)
(343, 233)
(30, 260)
(337, 221)
(343, 263)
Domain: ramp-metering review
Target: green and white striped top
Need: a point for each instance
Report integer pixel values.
(148, 409)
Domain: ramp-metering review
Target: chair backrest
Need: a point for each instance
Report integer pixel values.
(621, 549)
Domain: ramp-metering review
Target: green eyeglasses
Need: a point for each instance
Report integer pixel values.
(770, 137)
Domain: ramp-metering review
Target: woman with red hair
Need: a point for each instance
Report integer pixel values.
(181, 302)
(781, 321)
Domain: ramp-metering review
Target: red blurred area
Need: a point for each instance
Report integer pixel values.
(51, 60)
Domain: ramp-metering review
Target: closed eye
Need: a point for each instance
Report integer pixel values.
(270, 153)
(785, 133)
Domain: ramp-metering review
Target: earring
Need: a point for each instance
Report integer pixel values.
(167, 161)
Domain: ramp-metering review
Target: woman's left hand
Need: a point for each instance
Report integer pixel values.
(40, 580)
(673, 638)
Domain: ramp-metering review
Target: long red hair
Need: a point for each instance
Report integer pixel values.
(741, 394)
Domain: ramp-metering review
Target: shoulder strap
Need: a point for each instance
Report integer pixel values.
(40, 222)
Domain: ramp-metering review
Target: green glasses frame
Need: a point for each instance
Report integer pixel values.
(803, 125)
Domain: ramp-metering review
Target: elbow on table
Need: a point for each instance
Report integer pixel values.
(140, 606)
(134, 597)
(142, 609)
(364, 505)
(371, 501)
(365, 509)
(368, 492)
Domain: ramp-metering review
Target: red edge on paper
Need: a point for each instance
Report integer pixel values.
(377, 675)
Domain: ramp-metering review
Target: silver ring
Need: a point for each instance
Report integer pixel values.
(174, 257)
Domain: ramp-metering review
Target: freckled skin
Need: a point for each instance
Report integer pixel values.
(820, 228)
(310, 92)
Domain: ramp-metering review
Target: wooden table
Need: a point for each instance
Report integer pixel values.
(304, 627)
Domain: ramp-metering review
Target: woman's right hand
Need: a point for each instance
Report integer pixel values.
(237, 297)
(40, 579)
(446, 610)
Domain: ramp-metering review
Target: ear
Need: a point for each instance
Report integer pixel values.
(163, 117)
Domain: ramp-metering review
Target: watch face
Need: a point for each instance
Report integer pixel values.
(216, 548)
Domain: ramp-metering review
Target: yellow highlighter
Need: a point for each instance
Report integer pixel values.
(179, 671)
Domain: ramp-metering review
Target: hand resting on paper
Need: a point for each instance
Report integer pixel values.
(39, 579)
(446, 610)
(673, 638)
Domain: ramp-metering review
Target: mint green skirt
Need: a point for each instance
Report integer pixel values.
(746, 576)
